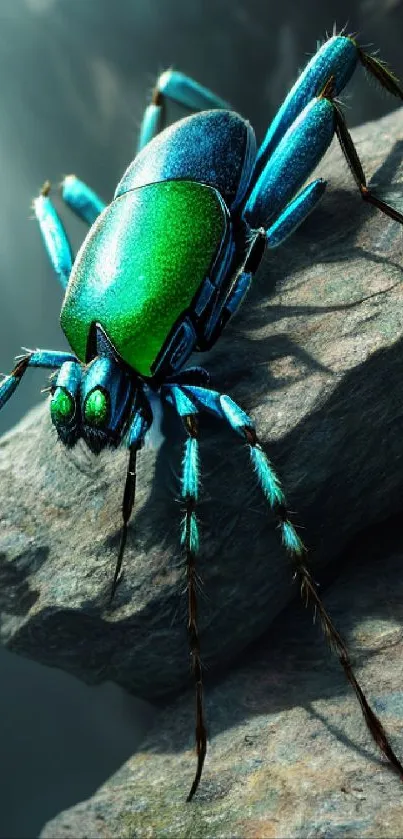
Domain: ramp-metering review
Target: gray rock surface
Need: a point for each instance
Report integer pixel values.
(315, 355)
(289, 754)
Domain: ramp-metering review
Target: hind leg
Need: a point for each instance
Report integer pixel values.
(274, 198)
(337, 58)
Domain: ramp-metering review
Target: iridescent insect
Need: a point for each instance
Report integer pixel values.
(163, 269)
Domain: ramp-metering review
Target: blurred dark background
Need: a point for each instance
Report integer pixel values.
(76, 75)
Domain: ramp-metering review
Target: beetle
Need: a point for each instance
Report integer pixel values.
(163, 269)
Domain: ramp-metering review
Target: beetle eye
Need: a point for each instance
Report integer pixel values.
(96, 408)
(62, 406)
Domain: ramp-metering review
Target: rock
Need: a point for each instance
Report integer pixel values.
(289, 753)
(315, 355)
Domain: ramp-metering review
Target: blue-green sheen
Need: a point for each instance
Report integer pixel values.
(267, 477)
(140, 267)
(194, 541)
(291, 539)
(190, 476)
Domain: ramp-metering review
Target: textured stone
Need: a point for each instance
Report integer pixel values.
(289, 753)
(315, 355)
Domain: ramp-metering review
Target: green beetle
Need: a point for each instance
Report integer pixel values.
(163, 269)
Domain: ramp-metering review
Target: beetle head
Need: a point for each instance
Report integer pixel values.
(107, 394)
(97, 401)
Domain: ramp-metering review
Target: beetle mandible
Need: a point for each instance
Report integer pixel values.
(163, 269)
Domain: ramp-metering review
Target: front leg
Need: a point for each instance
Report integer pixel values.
(191, 398)
(33, 358)
(187, 399)
(139, 424)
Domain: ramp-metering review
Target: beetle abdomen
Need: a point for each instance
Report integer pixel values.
(217, 148)
(140, 267)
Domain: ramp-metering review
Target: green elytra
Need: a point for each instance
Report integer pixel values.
(137, 286)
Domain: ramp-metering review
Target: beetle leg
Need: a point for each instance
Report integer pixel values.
(350, 153)
(224, 310)
(275, 195)
(134, 440)
(127, 508)
(309, 590)
(295, 213)
(84, 202)
(187, 410)
(190, 543)
(224, 407)
(180, 89)
(227, 409)
(337, 58)
(287, 169)
(54, 235)
(307, 122)
(33, 358)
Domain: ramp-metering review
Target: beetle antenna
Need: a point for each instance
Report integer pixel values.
(270, 485)
(127, 507)
(190, 542)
